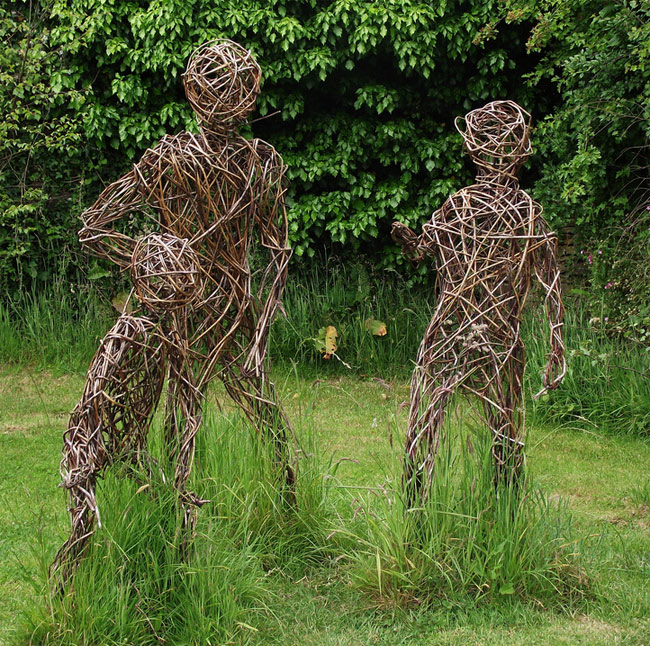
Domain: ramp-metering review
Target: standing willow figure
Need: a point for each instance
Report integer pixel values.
(488, 238)
(204, 195)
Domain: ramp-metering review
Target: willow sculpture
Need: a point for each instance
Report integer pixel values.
(488, 239)
(203, 195)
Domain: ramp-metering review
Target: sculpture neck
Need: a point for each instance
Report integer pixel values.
(220, 132)
(505, 179)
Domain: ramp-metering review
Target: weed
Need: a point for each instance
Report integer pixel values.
(607, 385)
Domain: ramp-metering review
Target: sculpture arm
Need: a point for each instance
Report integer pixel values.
(548, 274)
(273, 232)
(98, 234)
(408, 240)
(415, 247)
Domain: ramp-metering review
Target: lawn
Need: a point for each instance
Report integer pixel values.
(353, 425)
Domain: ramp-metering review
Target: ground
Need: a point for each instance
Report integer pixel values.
(357, 420)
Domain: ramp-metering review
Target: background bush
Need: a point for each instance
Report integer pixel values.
(594, 174)
(42, 145)
(359, 97)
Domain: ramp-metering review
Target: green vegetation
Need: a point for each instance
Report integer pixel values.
(59, 328)
(606, 388)
(42, 147)
(359, 97)
(566, 555)
(594, 144)
(593, 147)
(336, 570)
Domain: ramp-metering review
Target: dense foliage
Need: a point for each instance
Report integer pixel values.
(359, 97)
(41, 143)
(595, 145)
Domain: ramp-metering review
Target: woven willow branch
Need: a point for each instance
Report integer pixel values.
(488, 239)
(205, 194)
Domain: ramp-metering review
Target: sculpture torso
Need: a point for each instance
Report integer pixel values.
(485, 236)
(210, 189)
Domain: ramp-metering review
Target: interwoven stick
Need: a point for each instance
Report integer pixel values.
(109, 423)
(222, 83)
(487, 238)
(165, 272)
(206, 195)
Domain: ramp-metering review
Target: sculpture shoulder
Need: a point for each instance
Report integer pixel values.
(490, 196)
(168, 146)
(269, 157)
(447, 212)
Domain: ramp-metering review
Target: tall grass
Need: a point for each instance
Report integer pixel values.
(469, 540)
(346, 297)
(607, 385)
(59, 327)
(134, 587)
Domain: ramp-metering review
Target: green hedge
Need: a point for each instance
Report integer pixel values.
(359, 98)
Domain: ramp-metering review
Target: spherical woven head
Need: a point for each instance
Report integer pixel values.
(497, 136)
(222, 83)
(166, 272)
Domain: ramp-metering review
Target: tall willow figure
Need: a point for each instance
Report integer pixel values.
(487, 239)
(205, 195)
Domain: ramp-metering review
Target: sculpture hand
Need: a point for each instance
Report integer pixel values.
(407, 239)
(98, 233)
(554, 373)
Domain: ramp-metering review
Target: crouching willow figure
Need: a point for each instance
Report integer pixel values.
(203, 313)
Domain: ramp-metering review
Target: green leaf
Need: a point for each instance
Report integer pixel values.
(375, 327)
(96, 272)
(122, 303)
(325, 341)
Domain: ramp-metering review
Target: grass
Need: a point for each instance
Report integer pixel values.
(606, 389)
(564, 559)
(134, 585)
(346, 297)
(58, 328)
(607, 385)
(331, 573)
(468, 540)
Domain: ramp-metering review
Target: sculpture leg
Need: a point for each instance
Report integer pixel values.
(504, 414)
(84, 457)
(109, 423)
(255, 395)
(430, 393)
(183, 416)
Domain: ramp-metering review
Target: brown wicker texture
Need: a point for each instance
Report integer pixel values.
(488, 239)
(206, 195)
(222, 83)
(110, 422)
(165, 273)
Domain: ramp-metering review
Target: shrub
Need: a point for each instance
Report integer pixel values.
(594, 145)
(358, 97)
(41, 148)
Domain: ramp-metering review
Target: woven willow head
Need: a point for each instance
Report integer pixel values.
(497, 137)
(222, 83)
